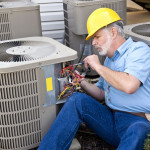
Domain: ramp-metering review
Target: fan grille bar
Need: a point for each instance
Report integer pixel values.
(5, 32)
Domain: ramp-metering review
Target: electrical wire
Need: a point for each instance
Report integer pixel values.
(72, 81)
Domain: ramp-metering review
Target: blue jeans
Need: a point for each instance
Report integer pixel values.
(120, 129)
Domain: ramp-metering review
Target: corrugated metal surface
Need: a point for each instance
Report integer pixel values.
(52, 18)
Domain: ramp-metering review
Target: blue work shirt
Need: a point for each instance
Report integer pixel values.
(132, 58)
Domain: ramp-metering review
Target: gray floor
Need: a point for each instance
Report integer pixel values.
(138, 17)
(137, 13)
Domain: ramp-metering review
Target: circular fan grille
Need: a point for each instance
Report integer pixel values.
(143, 29)
(18, 51)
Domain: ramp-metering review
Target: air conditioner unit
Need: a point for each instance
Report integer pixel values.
(76, 13)
(19, 19)
(29, 88)
(139, 32)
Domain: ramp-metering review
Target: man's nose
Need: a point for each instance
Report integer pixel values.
(93, 41)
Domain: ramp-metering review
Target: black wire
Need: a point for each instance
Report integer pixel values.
(82, 52)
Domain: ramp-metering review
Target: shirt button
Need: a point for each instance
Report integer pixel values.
(109, 100)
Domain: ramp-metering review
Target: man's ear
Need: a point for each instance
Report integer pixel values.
(114, 32)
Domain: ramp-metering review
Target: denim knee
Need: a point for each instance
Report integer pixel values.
(77, 98)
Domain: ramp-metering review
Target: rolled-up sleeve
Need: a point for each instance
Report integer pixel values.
(138, 61)
(100, 83)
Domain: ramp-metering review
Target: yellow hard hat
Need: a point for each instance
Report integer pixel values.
(100, 18)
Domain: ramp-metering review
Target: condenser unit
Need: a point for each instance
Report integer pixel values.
(29, 88)
(19, 19)
(139, 32)
(76, 13)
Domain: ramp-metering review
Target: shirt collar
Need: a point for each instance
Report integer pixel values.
(122, 49)
(124, 46)
(115, 56)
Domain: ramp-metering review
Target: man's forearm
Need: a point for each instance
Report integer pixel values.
(92, 90)
(120, 80)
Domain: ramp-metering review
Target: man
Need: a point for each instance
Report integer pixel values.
(124, 84)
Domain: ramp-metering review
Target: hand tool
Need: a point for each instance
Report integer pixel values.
(78, 64)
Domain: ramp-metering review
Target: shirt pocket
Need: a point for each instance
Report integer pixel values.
(120, 69)
(120, 66)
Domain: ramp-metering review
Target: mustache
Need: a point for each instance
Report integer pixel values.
(97, 47)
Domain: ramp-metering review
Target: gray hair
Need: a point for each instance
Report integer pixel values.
(119, 26)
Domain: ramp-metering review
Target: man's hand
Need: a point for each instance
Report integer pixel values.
(92, 61)
(82, 76)
(91, 89)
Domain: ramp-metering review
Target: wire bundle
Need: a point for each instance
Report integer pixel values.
(72, 81)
